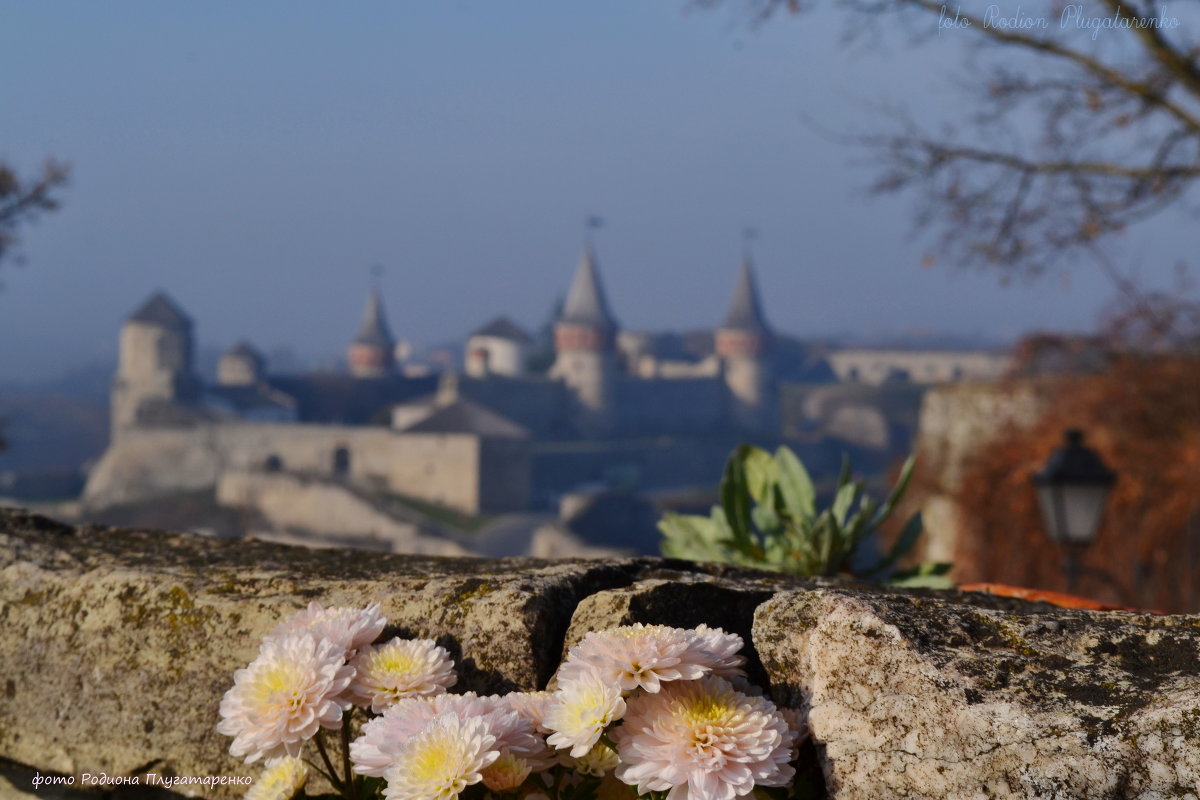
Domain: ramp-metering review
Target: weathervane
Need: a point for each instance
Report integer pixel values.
(593, 222)
(376, 274)
(749, 234)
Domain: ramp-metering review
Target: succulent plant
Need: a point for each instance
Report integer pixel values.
(768, 518)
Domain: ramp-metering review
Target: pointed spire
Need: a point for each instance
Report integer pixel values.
(161, 310)
(586, 304)
(374, 329)
(745, 311)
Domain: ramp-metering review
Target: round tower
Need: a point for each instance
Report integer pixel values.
(154, 361)
(743, 343)
(242, 365)
(372, 354)
(585, 349)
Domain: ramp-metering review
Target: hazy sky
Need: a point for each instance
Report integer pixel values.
(254, 159)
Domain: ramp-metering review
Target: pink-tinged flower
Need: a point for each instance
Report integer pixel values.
(282, 780)
(717, 650)
(287, 693)
(703, 740)
(376, 750)
(398, 669)
(446, 757)
(506, 773)
(582, 708)
(350, 628)
(634, 656)
(532, 706)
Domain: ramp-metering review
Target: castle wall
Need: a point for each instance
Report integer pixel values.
(439, 468)
(655, 463)
(753, 394)
(311, 510)
(143, 464)
(442, 469)
(504, 356)
(537, 404)
(669, 405)
(505, 480)
(591, 377)
(877, 366)
(155, 364)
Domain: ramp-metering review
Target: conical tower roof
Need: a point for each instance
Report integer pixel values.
(586, 303)
(745, 310)
(374, 329)
(161, 310)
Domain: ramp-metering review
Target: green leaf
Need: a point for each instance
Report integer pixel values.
(924, 582)
(901, 547)
(761, 474)
(692, 537)
(927, 575)
(795, 485)
(735, 498)
(897, 493)
(766, 520)
(844, 475)
(846, 495)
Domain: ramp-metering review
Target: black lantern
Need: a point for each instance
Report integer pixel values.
(1072, 489)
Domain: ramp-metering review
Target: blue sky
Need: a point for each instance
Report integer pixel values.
(255, 159)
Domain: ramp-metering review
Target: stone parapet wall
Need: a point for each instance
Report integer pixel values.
(116, 647)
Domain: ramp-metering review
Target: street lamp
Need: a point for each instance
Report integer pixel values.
(1072, 488)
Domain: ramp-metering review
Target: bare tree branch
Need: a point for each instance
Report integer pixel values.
(22, 201)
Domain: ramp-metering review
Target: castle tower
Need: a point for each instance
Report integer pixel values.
(241, 365)
(743, 343)
(372, 354)
(585, 348)
(155, 361)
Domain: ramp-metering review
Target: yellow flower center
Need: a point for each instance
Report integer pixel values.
(394, 661)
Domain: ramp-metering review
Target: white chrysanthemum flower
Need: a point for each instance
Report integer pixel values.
(375, 751)
(282, 780)
(634, 656)
(597, 762)
(287, 693)
(382, 739)
(398, 669)
(703, 740)
(532, 706)
(446, 757)
(350, 628)
(581, 710)
(718, 651)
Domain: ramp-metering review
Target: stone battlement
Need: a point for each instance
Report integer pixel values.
(117, 646)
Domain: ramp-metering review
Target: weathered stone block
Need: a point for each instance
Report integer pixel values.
(925, 697)
(118, 645)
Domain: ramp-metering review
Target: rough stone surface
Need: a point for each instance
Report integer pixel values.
(116, 647)
(924, 697)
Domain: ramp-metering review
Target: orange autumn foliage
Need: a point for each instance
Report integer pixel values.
(1142, 415)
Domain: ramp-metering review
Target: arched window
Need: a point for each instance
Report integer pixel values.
(341, 462)
(272, 463)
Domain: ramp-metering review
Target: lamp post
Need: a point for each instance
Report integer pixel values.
(1072, 489)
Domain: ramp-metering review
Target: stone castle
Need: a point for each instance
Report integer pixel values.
(493, 438)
